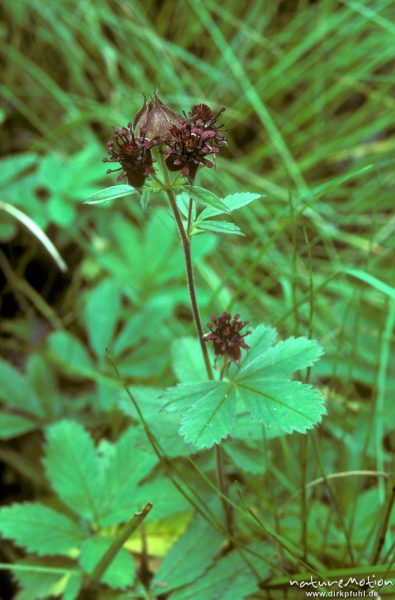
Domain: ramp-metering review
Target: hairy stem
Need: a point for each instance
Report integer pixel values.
(186, 247)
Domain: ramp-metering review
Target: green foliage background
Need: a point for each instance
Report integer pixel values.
(308, 91)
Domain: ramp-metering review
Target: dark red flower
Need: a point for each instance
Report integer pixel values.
(134, 155)
(192, 141)
(226, 337)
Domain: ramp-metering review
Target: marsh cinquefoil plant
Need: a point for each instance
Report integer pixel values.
(228, 388)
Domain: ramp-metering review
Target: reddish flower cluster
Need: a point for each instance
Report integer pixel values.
(226, 337)
(190, 140)
(134, 155)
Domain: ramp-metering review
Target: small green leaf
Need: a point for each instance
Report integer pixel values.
(188, 363)
(126, 467)
(233, 202)
(47, 578)
(101, 314)
(43, 385)
(281, 360)
(68, 351)
(208, 412)
(216, 227)
(110, 193)
(200, 543)
(207, 198)
(14, 390)
(121, 571)
(73, 468)
(13, 425)
(145, 199)
(40, 529)
(228, 579)
(288, 405)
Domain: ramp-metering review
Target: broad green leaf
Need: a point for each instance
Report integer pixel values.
(121, 571)
(200, 543)
(101, 313)
(73, 468)
(13, 425)
(46, 578)
(287, 405)
(233, 202)
(207, 411)
(216, 227)
(228, 579)
(69, 353)
(110, 193)
(40, 529)
(187, 360)
(281, 360)
(126, 466)
(207, 198)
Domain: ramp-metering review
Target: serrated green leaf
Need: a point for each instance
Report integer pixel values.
(207, 411)
(40, 529)
(13, 425)
(126, 466)
(102, 313)
(16, 393)
(110, 193)
(121, 571)
(73, 468)
(14, 390)
(233, 202)
(187, 360)
(200, 543)
(45, 578)
(281, 404)
(281, 360)
(207, 198)
(228, 579)
(69, 353)
(216, 227)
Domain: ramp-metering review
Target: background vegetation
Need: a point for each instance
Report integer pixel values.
(308, 91)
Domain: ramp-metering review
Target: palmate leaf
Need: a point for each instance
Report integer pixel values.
(125, 466)
(208, 409)
(40, 529)
(73, 468)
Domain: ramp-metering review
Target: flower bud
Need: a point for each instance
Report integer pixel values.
(154, 119)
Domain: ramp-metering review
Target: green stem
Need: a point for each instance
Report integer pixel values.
(383, 528)
(117, 544)
(186, 247)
